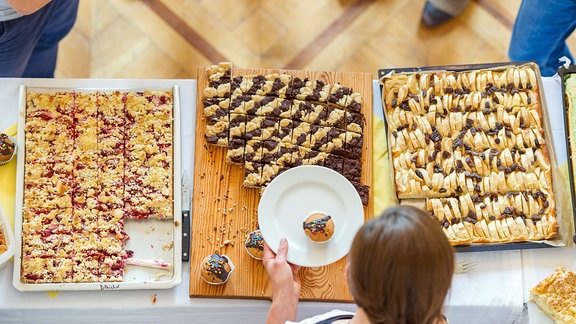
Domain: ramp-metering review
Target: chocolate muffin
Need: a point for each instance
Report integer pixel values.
(319, 227)
(7, 148)
(216, 269)
(255, 244)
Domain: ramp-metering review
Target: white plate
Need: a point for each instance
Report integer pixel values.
(295, 194)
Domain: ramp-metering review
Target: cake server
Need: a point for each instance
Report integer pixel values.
(186, 197)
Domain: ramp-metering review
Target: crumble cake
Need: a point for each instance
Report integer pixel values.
(3, 243)
(92, 159)
(272, 122)
(556, 296)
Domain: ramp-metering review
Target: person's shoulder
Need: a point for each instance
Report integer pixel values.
(322, 318)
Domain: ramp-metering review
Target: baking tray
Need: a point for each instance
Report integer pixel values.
(570, 140)
(566, 231)
(7, 231)
(149, 239)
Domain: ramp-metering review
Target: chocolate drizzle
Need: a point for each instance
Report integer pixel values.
(6, 145)
(216, 265)
(255, 240)
(318, 225)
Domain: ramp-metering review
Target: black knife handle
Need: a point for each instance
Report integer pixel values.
(185, 235)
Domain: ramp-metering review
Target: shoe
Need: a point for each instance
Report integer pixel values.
(433, 17)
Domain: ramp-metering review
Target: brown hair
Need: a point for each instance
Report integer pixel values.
(401, 267)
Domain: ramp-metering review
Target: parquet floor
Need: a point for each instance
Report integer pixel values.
(171, 38)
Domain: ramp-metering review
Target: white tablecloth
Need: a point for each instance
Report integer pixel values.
(494, 292)
(540, 263)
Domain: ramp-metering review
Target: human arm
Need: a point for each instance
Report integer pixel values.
(26, 7)
(285, 284)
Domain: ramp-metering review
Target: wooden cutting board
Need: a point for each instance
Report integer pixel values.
(224, 212)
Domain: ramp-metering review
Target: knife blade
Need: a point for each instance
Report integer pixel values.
(186, 205)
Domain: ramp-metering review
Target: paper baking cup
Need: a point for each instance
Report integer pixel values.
(229, 273)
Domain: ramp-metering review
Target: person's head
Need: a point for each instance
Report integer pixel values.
(400, 267)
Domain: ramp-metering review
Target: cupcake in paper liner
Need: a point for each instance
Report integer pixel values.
(215, 269)
(7, 148)
(255, 244)
(319, 227)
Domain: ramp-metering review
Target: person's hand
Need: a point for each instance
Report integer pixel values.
(283, 275)
(285, 283)
(27, 7)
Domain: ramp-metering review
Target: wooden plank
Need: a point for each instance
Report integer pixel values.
(223, 211)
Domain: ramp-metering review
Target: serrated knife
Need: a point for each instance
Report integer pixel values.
(186, 197)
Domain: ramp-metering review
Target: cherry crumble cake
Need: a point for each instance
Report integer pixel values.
(92, 160)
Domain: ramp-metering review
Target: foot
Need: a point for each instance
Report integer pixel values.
(433, 16)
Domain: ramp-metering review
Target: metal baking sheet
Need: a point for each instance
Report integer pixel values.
(566, 229)
(150, 239)
(562, 73)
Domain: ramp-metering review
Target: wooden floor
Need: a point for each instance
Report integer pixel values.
(171, 38)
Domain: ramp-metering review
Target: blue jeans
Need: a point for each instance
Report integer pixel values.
(540, 33)
(29, 44)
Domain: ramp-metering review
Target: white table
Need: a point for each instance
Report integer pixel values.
(471, 299)
(539, 264)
